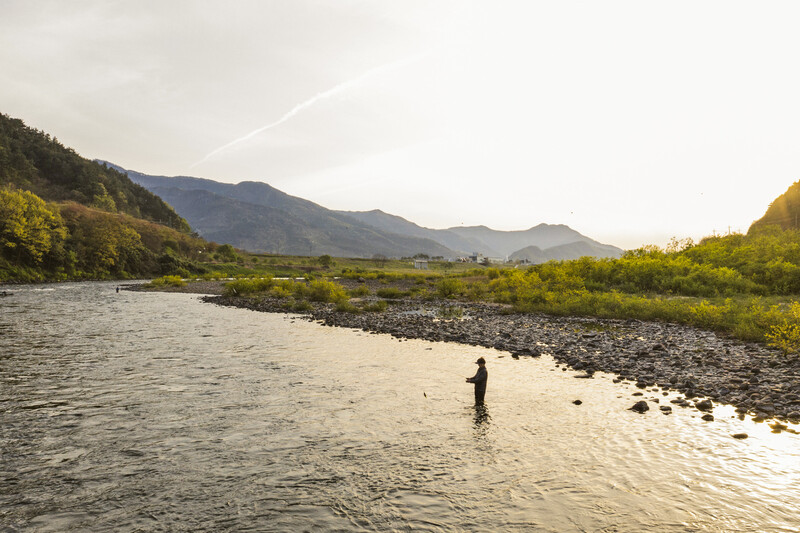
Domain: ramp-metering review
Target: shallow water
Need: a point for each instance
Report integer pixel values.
(148, 412)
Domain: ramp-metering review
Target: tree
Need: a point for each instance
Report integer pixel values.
(102, 200)
(325, 261)
(380, 260)
(105, 245)
(29, 230)
(226, 253)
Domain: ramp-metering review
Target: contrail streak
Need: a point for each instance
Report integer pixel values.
(336, 89)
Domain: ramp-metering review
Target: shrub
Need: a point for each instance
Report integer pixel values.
(492, 273)
(241, 287)
(785, 335)
(358, 292)
(391, 293)
(449, 288)
(375, 307)
(167, 281)
(347, 307)
(326, 291)
(302, 306)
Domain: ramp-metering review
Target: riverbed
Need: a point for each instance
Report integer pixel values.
(138, 411)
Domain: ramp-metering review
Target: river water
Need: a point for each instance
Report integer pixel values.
(156, 412)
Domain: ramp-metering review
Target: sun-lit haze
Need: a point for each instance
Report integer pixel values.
(631, 122)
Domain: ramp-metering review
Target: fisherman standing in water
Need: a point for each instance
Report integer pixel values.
(479, 379)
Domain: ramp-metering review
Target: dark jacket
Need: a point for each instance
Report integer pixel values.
(479, 379)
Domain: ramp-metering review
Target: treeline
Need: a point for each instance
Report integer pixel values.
(31, 160)
(743, 285)
(765, 262)
(47, 241)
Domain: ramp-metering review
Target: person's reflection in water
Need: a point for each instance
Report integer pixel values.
(482, 420)
(481, 415)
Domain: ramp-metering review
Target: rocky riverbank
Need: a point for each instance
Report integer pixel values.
(704, 367)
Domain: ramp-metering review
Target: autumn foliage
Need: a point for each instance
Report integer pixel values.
(48, 241)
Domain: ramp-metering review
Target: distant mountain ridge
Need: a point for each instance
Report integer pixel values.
(257, 217)
(553, 241)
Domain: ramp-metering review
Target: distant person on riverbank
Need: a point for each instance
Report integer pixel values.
(479, 379)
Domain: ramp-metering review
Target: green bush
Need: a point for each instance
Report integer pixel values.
(347, 307)
(242, 287)
(375, 307)
(167, 281)
(391, 293)
(326, 291)
(360, 291)
(301, 306)
(785, 334)
(449, 288)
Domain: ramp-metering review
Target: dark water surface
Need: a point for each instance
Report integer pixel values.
(156, 412)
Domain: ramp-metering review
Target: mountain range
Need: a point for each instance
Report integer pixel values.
(260, 218)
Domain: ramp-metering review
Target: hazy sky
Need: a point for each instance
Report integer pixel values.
(629, 121)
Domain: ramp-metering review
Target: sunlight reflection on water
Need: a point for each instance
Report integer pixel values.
(155, 411)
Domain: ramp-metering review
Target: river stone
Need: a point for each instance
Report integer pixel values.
(577, 402)
(704, 405)
(640, 407)
(739, 435)
(708, 417)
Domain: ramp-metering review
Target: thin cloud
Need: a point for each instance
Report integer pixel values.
(341, 87)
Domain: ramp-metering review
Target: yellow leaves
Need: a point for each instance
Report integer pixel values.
(105, 240)
(28, 228)
(786, 334)
(102, 200)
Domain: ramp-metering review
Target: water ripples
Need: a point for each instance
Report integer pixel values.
(147, 412)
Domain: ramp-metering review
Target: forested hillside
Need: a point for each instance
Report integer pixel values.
(260, 218)
(32, 160)
(65, 217)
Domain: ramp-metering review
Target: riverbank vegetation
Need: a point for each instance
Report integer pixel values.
(65, 217)
(48, 241)
(741, 285)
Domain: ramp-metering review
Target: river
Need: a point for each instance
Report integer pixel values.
(139, 411)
